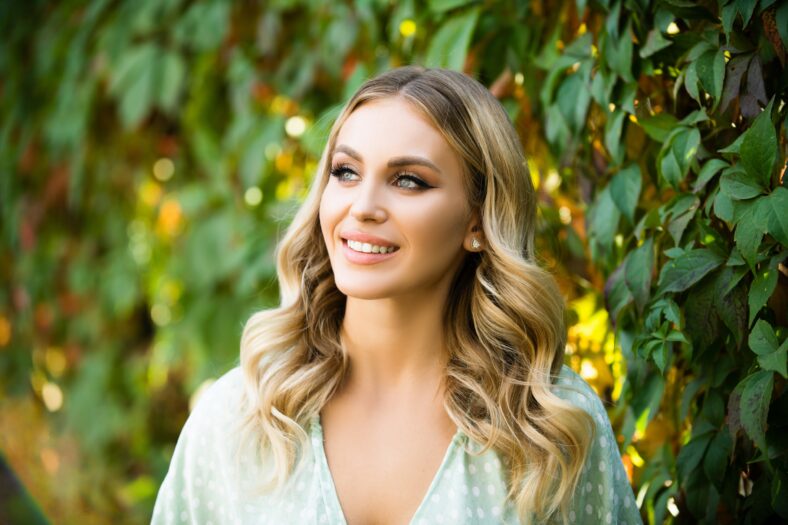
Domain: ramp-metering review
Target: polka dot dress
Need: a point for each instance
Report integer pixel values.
(211, 481)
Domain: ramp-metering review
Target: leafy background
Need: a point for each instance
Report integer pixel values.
(152, 151)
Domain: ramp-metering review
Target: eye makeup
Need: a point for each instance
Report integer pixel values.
(345, 173)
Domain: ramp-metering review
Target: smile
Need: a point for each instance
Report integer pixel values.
(365, 247)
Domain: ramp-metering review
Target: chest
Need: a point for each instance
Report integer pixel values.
(382, 472)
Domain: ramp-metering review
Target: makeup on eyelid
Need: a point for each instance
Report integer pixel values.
(342, 169)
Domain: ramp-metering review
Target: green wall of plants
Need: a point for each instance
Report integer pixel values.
(152, 151)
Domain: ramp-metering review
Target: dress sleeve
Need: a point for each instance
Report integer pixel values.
(195, 489)
(603, 494)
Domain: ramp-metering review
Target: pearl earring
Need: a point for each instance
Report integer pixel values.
(475, 244)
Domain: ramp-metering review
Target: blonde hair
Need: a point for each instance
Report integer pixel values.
(504, 317)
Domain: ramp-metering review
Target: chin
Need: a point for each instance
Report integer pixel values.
(362, 289)
(363, 292)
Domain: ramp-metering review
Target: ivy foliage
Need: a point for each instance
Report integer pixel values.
(152, 150)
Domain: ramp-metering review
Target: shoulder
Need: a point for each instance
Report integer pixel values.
(215, 408)
(570, 387)
(203, 456)
(215, 415)
(603, 494)
(220, 400)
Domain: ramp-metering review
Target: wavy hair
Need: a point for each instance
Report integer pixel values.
(504, 320)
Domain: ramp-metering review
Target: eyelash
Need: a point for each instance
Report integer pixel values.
(342, 169)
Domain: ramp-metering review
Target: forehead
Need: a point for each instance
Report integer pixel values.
(392, 127)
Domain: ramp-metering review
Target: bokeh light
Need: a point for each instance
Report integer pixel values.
(163, 169)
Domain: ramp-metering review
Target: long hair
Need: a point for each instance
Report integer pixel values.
(503, 321)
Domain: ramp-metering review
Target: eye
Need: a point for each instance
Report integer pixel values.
(344, 173)
(410, 182)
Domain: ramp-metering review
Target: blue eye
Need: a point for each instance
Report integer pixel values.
(406, 181)
(411, 182)
(343, 173)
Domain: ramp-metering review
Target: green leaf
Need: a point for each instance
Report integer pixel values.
(690, 391)
(679, 212)
(677, 154)
(627, 96)
(654, 42)
(637, 272)
(679, 274)
(556, 128)
(603, 219)
(134, 83)
(658, 126)
(602, 85)
(573, 98)
(613, 127)
(712, 409)
(266, 132)
(678, 205)
(670, 169)
(755, 399)
(737, 184)
(625, 190)
(691, 81)
(748, 234)
(777, 361)
(697, 116)
(728, 16)
(735, 70)
(762, 339)
(734, 147)
(692, 453)
(661, 355)
(204, 26)
(449, 47)
(617, 295)
(772, 210)
(782, 25)
(731, 304)
(759, 147)
(763, 342)
(707, 172)
(717, 458)
(438, 6)
(172, 71)
(619, 54)
(677, 337)
(761, 289)
(711, 72)
(723, 207)
(745, 9)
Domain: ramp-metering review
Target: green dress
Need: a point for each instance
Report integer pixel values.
(213, 481)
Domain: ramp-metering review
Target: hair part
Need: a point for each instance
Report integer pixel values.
(503, 321)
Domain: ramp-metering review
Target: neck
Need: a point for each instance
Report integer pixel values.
(395, 345)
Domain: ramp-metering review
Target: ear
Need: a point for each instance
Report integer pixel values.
(474, 235)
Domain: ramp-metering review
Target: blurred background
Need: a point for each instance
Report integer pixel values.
(153, 151)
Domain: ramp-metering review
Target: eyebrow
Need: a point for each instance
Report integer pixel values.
(393, 163)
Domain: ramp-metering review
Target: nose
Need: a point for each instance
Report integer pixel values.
(367, 205)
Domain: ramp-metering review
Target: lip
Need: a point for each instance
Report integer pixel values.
(355, 257)
(365, 237)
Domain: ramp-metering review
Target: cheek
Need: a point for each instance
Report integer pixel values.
(326, 218)
(441, 227)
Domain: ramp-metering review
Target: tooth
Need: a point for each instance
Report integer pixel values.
(366, 247)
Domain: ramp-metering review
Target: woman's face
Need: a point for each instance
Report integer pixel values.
(394, 214)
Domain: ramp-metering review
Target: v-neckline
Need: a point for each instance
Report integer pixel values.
(328, 488)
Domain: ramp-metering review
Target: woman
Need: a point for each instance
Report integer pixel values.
(413, 371)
